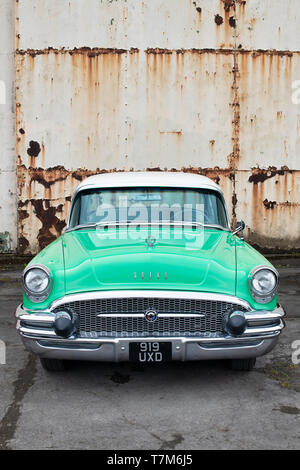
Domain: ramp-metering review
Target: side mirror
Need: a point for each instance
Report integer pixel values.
(239, 227)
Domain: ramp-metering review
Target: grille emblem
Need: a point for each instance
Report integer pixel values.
(151, 315)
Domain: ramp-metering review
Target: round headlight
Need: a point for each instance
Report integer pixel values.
(37, 283)
(263, 283)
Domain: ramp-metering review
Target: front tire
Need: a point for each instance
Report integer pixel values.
(53, 365)
(243, 364)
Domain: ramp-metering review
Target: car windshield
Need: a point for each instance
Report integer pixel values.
(119, 206)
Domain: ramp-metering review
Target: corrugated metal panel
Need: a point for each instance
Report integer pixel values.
(268, 24)
(8, 200)
(268, 200)
(127, 110)
(213, 24)
(186, 85)
(269, 122)
(124, 24)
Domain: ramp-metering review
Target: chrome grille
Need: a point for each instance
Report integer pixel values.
(207, 316)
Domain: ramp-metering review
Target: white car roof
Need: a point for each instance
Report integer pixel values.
(148, 179)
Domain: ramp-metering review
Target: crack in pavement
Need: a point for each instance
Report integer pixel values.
(171, 444)
(165, 444)
(22, 384)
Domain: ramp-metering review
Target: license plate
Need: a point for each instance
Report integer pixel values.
(148, 352)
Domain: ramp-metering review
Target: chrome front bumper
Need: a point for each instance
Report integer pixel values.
(260, 337)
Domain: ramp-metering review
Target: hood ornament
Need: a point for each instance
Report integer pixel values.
(150, 241)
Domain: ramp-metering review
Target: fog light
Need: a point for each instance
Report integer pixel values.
(64, 324)
(236, 324)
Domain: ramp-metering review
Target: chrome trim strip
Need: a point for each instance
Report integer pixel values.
(264, 330)
(47, 315)
(142, 315)
(182, 349)
(264, 316)
(39, 317)
(35, 332)
(191, 295)
(199, 340)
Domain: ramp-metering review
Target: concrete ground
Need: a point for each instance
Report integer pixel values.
(176, 406)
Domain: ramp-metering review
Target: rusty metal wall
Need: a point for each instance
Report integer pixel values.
(8, 183)
(203, 86)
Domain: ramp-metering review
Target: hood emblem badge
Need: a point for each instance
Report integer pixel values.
(150, 241)
(150, 276)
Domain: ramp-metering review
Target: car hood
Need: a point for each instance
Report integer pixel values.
(123, 258)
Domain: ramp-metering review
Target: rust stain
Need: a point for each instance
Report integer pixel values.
(134, 50)
(17, 24)
(23, 244)
(234, 204)
(50, 176)
(158, 51)
(270, 52)
(34, 149)
(260, 175)
(269, 204)
(219, 20)
(212, 173)
(198, 9)
(95, 52)
(47, 215)
(88, 51)
(234, 157)
(179, 133)
(232, 22)
(228, 4)
(236, 115)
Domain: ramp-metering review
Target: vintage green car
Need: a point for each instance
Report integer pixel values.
(148, 270)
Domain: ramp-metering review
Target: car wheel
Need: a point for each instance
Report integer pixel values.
(243, 364)
(53, 365)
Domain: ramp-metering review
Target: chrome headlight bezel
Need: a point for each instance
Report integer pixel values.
(263, 298)
(37, 297)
